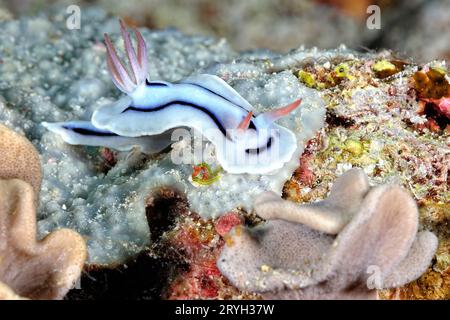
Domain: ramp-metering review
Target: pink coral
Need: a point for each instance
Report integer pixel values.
(227, 222)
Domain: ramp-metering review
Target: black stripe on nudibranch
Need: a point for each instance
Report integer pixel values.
(155, 84)
(261, 149)
(183, 103)
(88, 132)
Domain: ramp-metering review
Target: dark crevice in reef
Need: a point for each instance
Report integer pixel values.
(334, 120)
(146, 276)
(251, 219)
(163, 208)
(142, 278)
(431, 111)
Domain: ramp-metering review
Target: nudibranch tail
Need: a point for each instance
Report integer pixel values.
(273, 115)
(138, 61)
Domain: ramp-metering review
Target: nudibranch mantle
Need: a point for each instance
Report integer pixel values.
(243, 143)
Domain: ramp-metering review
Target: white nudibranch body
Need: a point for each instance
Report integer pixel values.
(151, 110)
(84, 133)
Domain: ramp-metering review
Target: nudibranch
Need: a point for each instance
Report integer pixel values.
(144, 117)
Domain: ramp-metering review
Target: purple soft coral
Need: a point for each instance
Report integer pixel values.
(296, 254)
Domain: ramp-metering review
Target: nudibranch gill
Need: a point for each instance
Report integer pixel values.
(150, 111)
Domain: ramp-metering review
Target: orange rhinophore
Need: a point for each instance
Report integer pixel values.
(246, 122)
(271, 116)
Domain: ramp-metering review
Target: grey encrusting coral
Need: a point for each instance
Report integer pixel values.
(296, 254)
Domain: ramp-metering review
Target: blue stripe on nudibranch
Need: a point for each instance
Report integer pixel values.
(202, 87)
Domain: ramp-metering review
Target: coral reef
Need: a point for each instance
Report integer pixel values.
(293, 255)
(433, 91)
(248, 25)
(44, 269)
(359, 110)
(179, 264)
(375, 123)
